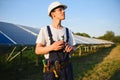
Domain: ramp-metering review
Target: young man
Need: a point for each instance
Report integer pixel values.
(56, 42)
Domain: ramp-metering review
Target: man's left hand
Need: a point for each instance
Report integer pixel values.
(68, 48)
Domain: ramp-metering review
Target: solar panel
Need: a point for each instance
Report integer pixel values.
(85, 40)
(15, 35)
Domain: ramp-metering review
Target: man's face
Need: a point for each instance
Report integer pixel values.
(58, 13)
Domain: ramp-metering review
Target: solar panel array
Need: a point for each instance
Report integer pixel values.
(12, 34)
(85, 40)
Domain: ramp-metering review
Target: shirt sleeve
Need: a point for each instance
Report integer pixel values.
(71, 39)
(41, 37)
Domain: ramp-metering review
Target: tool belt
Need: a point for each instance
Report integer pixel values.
(55, 67)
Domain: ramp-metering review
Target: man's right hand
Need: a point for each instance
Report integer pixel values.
(58, 45)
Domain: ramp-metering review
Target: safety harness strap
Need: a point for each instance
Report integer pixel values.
(50, 35)
(67, 33)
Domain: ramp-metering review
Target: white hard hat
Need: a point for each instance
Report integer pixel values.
(55, 5)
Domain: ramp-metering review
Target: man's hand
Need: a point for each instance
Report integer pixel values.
(58, 45)
(68, 48)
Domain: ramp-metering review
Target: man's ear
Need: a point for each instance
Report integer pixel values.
(52, 14)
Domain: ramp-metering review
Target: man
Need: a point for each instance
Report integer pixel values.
(56, 42)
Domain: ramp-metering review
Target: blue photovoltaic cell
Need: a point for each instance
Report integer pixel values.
(4, 40)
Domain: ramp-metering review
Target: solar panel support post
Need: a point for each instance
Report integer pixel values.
(94, 48)
(20, 58)
(80, 51)
(18, 53)
(20, 65)
(36, 61)
(87, 48)
(11, 54)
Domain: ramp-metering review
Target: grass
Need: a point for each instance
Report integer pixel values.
(103, 65)
(100, 66)
(15, 70)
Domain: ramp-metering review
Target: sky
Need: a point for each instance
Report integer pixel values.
(93, 17)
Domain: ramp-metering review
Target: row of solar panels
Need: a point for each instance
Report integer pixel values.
(85, 40)
(12, 34)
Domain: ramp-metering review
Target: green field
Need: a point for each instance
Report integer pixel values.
(102, 65)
